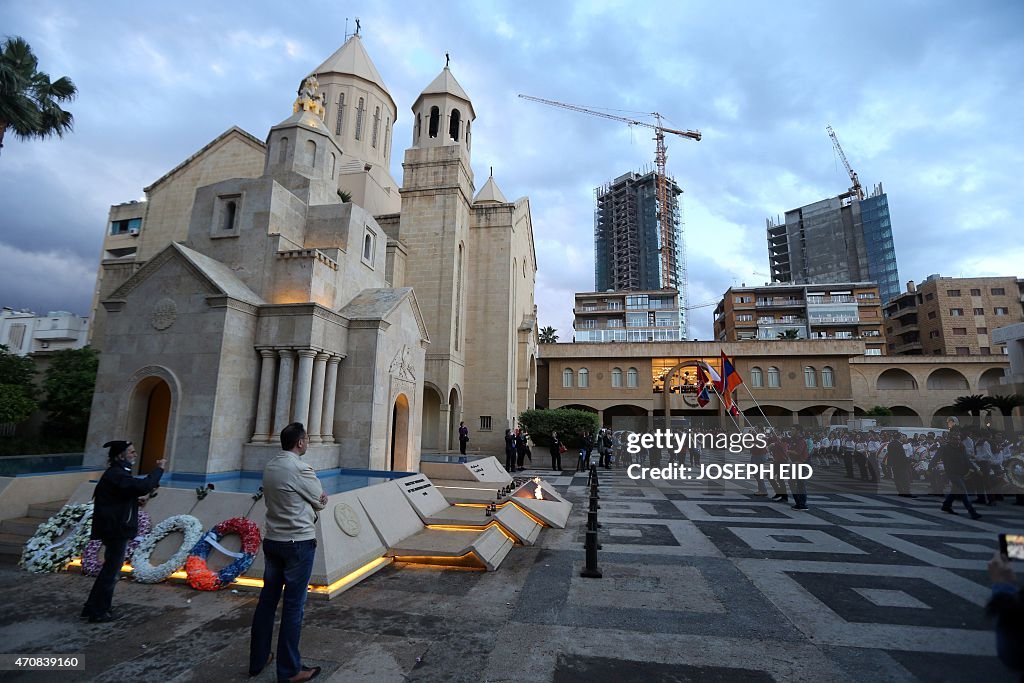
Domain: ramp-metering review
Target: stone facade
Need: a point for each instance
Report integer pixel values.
(253, 295)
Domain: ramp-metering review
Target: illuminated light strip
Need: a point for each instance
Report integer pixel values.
(536, 520)
(457, 527)
(466, 561)
(467, 488)
(480, 505)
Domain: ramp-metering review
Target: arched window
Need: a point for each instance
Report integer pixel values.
(309, 153)
(773, 378)
(376, 127)
(453, 125)
(810, 377)
(341, 114)
(632, 378)
(458, 298)
(282, 155)
(756, 377)
(387, 136)
(367, 247)
(419, 125)
(828, 379)
(567, 377)
(360, 110)
(467, 134)
(334, 160)
(434, 123)
(616, 378)
(230, 209)
(584, 378)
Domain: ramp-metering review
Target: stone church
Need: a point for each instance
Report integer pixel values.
(292, 279)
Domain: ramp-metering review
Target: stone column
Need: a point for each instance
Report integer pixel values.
(284, 389)
(330, 393)
(303, 383)
(268, 365)
(445, 427)
(600, 419)
(316, 398)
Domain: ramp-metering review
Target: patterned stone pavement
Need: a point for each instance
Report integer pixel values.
(701, 582)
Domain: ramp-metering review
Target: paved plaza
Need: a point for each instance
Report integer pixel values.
(700, 582)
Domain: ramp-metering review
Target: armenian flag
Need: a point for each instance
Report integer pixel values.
(703, 398)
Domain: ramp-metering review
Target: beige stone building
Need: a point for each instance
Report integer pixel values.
(821, 379)
(953, 316)
(262, 282)
(841, 310)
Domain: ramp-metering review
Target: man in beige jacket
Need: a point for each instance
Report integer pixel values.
(293, 495)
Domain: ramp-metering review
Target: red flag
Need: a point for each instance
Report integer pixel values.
(734, 410)
(702, 388)
(730, 378)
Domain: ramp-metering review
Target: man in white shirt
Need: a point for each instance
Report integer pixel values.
(293, 495)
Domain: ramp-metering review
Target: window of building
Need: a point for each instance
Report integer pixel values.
(744, 317)
(387, 136)
(615, 322)
(360, 110)
(982, 330)
(282, 151)
(952, 292)
(376, 127)
(959, 330)
(16, 336)
(369, 240)
(434, 122)
(453, 125)
(872, 352)
(975, 292)
(616, 378)
(929, 296)
(126, 226)
(632, 378)
(567, 375)
(419, 125)
(756, 377)
(986, 351)
(998, 291)
(979, 311)
(588, 324)
(810, 377)
(1002, 311)
(828, 379)
(468, 140)
(637, 302)
(584, 378)
(636, 320)
(340, 121)
(956, 312)
(743, 299)
(963, 351)
(773, 377)
(866, 295)
(485, 423)
(934, 334)
(931, 316)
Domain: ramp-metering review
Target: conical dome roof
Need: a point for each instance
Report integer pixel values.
(351, 59)
(445, 84)
(490, 193)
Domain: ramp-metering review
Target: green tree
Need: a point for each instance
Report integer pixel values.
(30, 103)
(16, 390)
(1006, 404)
(879, 411)
(789, 334)
(547, 335)
(68, 388)
(570, 425)
(973, 404)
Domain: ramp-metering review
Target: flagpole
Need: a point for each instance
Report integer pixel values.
(721, 398)
(759, 409)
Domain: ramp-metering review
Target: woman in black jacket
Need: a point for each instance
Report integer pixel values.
(115, 521)
(556, 452)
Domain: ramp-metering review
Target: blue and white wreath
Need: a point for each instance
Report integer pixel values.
(43, 553)
(144, 572)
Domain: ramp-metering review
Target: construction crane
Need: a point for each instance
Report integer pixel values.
(661, 185)
(856, 189)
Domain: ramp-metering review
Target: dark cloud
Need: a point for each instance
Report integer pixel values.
(924, 96)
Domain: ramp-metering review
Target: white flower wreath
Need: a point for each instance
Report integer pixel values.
(192, 530)
(43, 554)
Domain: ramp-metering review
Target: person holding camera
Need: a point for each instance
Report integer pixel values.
(115, 521)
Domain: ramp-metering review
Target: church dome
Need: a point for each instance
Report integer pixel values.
(351, 59)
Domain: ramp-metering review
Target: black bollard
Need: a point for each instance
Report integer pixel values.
(590, 570)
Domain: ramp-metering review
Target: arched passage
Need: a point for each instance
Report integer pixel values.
(580, 406)
(148, 412)
(398, 457)
(153, 398)
(947, 378)
(939, 418)
(895, 379)
(906, 417)
(431, 419)
(990, 378)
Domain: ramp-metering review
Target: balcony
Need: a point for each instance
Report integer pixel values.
(899, 313)
(835, 320)
(908, 347)
(779, 303)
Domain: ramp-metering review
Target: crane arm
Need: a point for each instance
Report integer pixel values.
(856, 189)
(692, 134)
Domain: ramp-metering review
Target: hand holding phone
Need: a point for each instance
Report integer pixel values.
(1012, 546)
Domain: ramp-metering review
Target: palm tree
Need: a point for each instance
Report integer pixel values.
(29, 100)
(547, 335)
(789, 334)
(973, 404)
(1006, 404)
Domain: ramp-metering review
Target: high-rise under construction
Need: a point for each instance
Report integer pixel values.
(631, 250)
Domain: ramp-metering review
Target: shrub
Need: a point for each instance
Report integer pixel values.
(570, 425)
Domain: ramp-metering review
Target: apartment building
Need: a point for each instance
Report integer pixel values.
(842, 310)
(627, 316)
(24, 332)
(952, 316)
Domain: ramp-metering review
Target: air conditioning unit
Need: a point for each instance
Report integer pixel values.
(134, 232)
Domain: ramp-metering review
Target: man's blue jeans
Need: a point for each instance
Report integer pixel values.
(287, 568)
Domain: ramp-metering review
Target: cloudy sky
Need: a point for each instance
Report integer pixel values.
(926, 97)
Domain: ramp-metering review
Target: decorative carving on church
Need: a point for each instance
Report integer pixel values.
(402, 366)
(165, 312)
(310, 98)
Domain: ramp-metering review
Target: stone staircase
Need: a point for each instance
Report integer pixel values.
(16, 531)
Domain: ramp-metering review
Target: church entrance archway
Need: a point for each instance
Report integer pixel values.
(149, 421)
(430, 439)
(398, 460)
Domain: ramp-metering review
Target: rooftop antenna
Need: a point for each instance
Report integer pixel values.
(346, 29)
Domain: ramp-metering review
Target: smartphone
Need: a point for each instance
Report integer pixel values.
(1012, 546)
